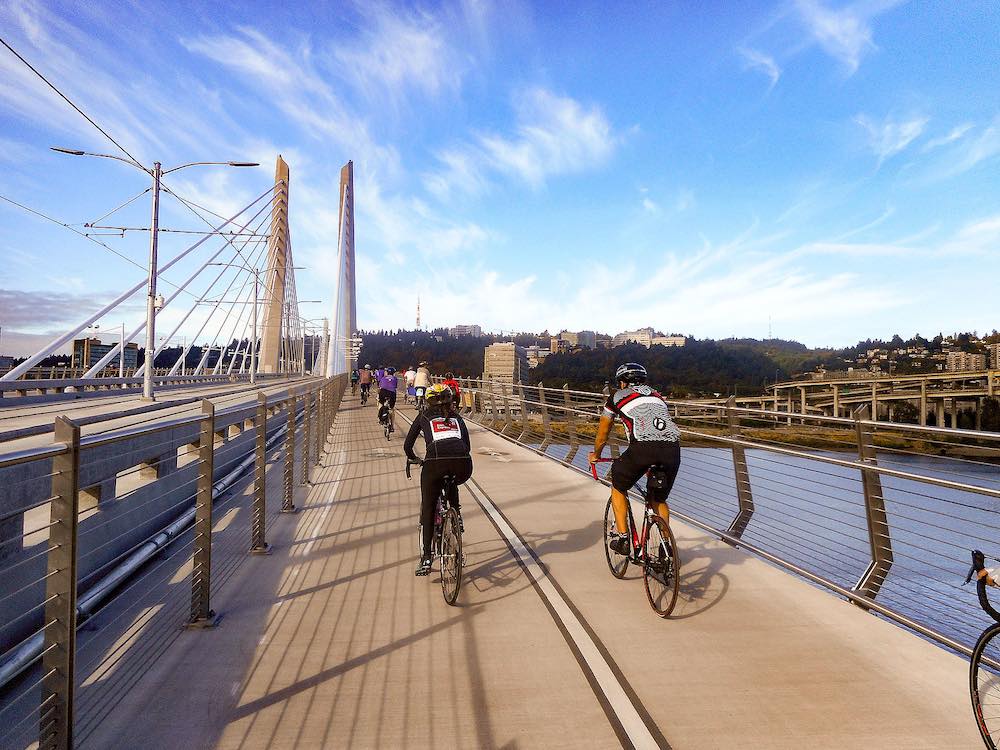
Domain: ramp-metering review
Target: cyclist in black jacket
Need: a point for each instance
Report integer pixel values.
(447, 451)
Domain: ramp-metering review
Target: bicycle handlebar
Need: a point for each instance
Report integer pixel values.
(983, 579)
(593, 465)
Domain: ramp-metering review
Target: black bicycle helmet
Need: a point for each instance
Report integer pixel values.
(631, 373)
(390, 370)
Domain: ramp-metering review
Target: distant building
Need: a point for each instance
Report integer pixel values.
(583, 339)
(964, 361)
(994, 352)
(470, 330)
(88, 352)
(6, 363)
(506, 363)
(642, 336)
(557, 344)
(668, 340)
(535, 355)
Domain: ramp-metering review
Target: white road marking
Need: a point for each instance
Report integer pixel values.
(621, 704)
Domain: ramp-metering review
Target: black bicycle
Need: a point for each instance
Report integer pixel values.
(446, 542)
(654, 548)
(364, 393)
(386, 419)
(419, 402)
(984, 670)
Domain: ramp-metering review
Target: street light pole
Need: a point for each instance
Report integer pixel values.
(253, 339)
(147, 375)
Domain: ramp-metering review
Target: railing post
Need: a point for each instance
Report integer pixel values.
(320, 404)
(307, 400)
(55, 724)
(494, 418)
(546, 421)
(508, 421)
(744, 492)
(287, 506)
(258, 522)
(878, 525)
(524, 414)
(201, 572)
(574, 439)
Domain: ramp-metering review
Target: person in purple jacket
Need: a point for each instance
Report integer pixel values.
(387, 386)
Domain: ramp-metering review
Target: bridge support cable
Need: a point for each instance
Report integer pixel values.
(247, 291)
(200, 300)
(96, 369)
(204, 324)
(62, 340)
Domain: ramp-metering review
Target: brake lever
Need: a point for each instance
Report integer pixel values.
(978, 563)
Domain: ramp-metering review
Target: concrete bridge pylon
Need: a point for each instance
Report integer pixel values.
(279, 254)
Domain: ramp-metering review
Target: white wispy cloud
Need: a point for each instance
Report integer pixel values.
(650, 206)
(890, 136)
(843, 33)
(956, 133)
(554, 135)
(401, 50)
(756, 60)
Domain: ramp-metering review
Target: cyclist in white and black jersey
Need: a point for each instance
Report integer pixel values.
(653, 440)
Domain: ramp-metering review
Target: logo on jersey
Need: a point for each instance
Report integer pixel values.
(443, 429)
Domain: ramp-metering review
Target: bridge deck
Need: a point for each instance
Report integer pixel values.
(332, 642)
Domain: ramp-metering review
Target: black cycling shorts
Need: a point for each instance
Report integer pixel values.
(630, 466)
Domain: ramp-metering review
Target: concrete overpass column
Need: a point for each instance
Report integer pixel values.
(802, 399)
(939, 413)
(923, 403)
(954, 413)
(789, 408)
(875, 401)
(836, 400)
(979, 413)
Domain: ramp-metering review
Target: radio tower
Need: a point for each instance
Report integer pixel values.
(418, 312)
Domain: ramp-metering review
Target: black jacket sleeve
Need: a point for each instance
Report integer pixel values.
(465, 434)
(411, 438)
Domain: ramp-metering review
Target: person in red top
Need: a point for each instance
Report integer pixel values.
(449, 380)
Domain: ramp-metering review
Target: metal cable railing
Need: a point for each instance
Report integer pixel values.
(82, 516)
(881, 513)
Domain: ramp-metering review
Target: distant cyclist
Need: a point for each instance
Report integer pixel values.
(449, 380)
(421, 382)
(653, 439)
(354, 381)
(447, 450)
(409, 377)
(387, 387)
(365, 380)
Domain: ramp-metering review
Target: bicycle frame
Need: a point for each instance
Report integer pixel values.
(637, 539)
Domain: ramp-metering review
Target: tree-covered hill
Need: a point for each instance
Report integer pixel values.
(700, 368)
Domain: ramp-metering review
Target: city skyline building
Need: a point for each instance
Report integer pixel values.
(505, 363)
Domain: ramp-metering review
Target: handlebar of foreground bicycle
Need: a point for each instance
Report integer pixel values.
(983, 579)
(593, 465)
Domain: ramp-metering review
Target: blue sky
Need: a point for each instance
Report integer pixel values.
(692, 166)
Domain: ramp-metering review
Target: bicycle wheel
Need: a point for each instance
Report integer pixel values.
(984, 685)
(616, 562)
(661, 567)
(451, 556)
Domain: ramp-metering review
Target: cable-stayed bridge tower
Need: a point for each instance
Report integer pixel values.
(345, 312)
